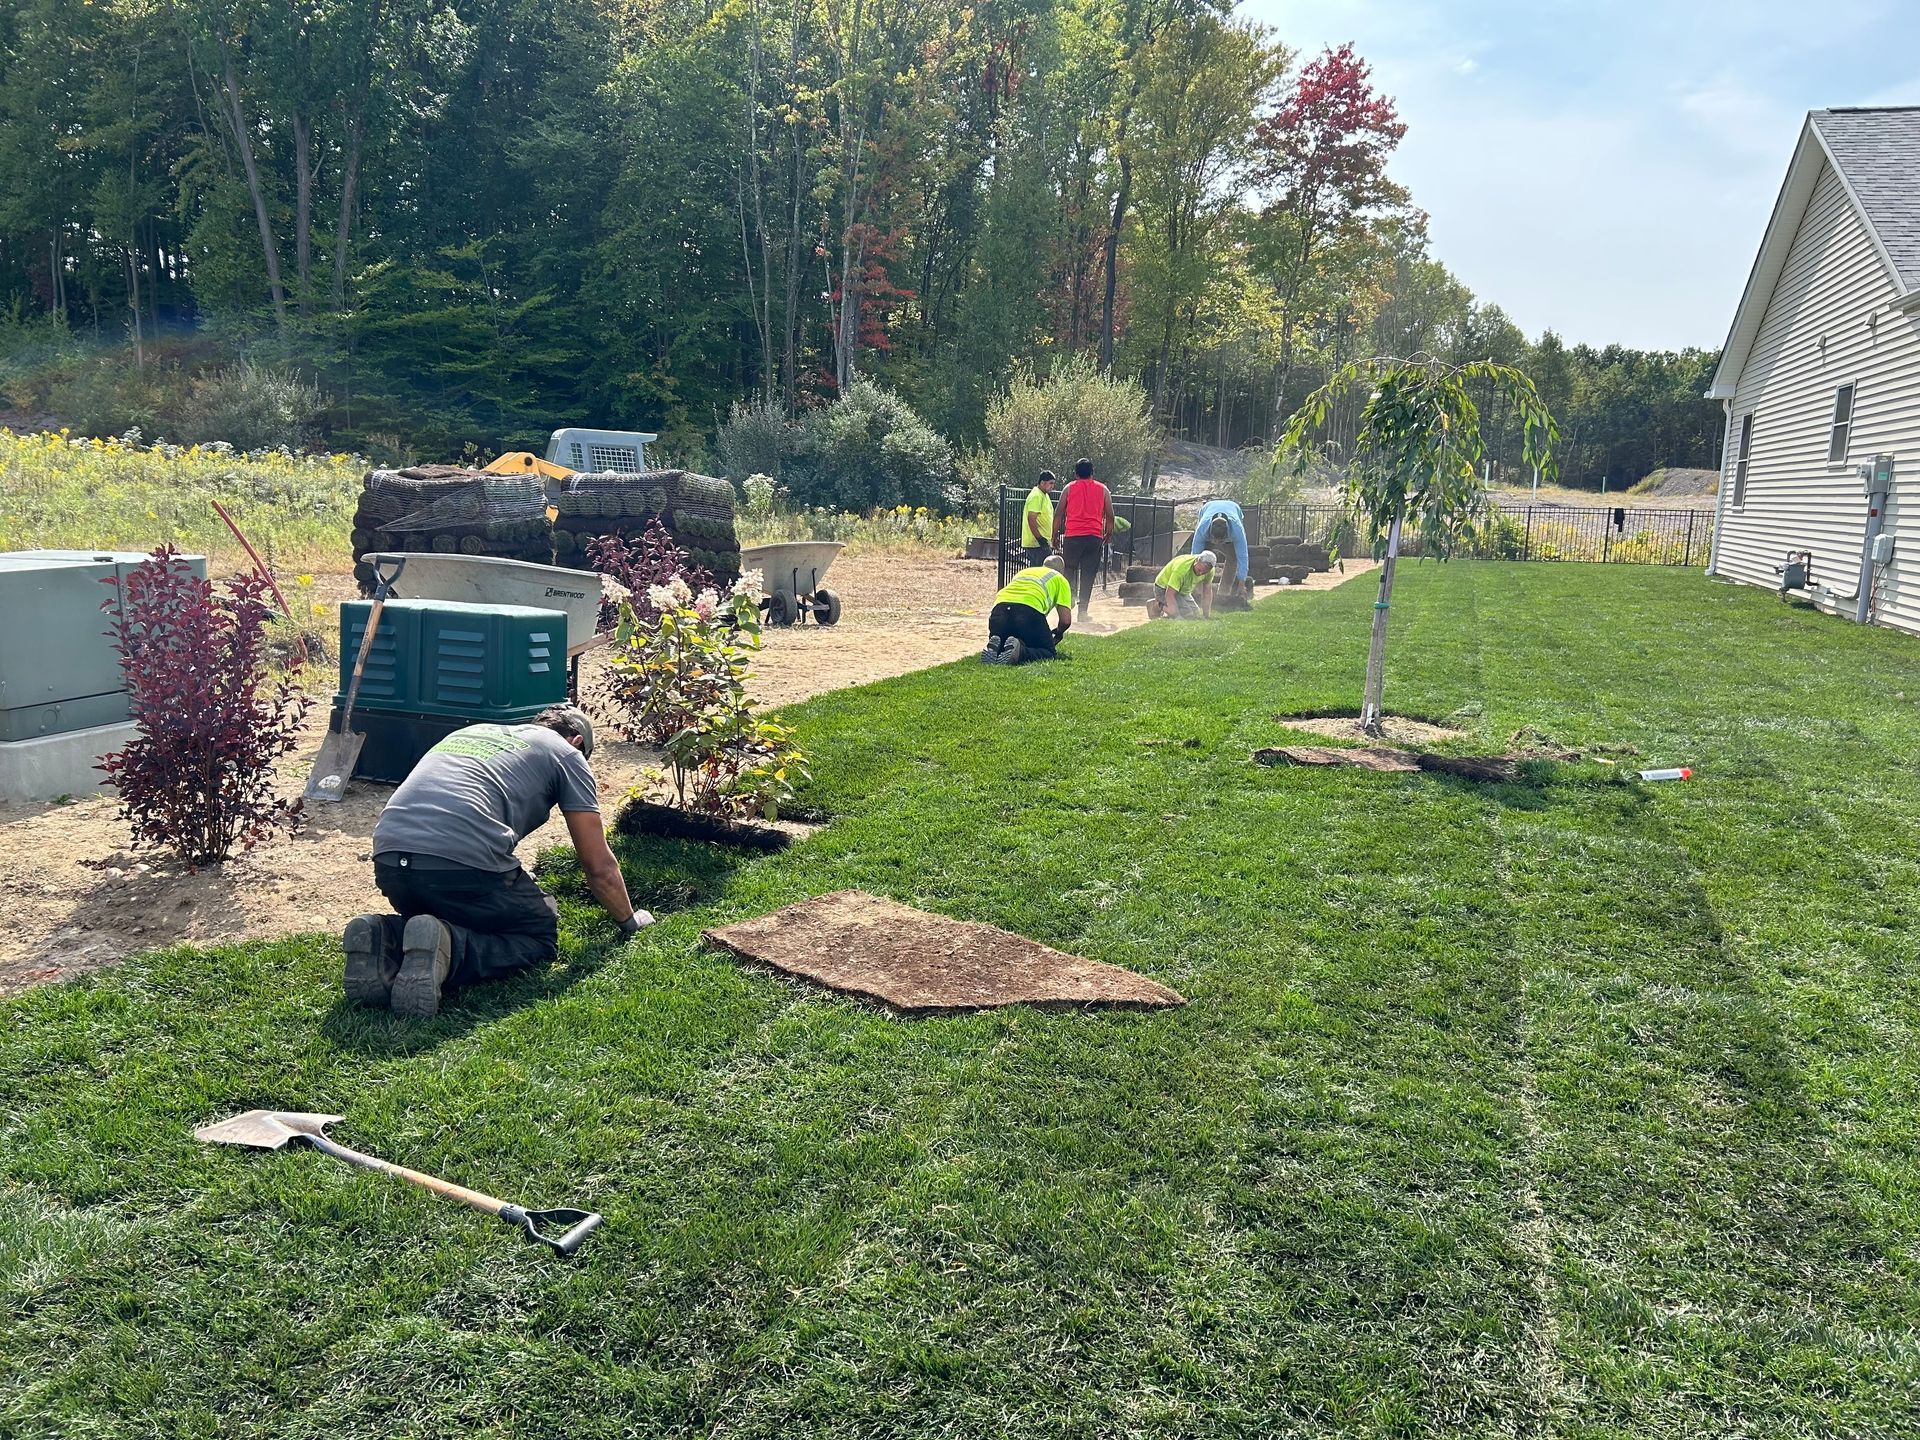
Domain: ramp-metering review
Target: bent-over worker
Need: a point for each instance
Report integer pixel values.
(1036, 521)
(1222, 528)
(443, 855)
(1018, 627)
(1177, 583)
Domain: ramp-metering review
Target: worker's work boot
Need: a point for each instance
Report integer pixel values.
(427, 957)
(992, 653)
(1012, 650)
(371, 961)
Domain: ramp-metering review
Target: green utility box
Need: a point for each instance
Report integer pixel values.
(58, 668)
(455, 661)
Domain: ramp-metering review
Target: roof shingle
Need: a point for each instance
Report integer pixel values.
(1878, 154)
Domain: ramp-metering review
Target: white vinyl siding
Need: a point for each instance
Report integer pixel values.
(1793, 498)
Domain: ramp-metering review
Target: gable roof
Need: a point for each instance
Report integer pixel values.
(1876, 154)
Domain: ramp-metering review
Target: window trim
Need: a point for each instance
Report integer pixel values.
(1841, 430)
(1743, 453)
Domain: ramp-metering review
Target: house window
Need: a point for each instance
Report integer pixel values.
(1740, 460)
(1842, 425)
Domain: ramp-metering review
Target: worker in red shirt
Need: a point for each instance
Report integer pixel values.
(1082, 528)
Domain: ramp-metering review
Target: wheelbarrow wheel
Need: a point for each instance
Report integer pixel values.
(782, 609)
(826, 606)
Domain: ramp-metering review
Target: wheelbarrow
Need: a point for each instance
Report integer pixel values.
(791, 572)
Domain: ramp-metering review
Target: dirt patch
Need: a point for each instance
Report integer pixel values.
(914, 963)
(1385, 759)
(1398, 730)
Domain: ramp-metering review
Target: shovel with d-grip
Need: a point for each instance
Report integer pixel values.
(340, 750)
(273, 1129)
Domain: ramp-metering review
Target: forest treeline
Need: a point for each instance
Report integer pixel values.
(469, 221)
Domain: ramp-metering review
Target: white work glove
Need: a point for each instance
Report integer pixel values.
(634, 924)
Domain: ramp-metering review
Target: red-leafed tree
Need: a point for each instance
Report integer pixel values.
(1322, 157)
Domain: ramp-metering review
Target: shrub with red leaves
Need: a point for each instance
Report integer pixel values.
(650, 558)
(198, 779)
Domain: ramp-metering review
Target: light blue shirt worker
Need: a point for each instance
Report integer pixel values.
(1236, 522)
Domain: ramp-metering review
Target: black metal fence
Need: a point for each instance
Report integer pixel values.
(1615, 535)
(1619, 535)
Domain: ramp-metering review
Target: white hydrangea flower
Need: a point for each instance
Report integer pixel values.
(707, 604)
(660, 597)
(681, 591)
(749, 584)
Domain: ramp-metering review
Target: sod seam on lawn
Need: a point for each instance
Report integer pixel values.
(1578, 1108)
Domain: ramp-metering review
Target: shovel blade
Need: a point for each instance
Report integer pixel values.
(333, 766)
(264, 1129)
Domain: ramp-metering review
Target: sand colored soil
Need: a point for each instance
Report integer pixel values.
(914, 963)
(67, 916)
(1399, 730)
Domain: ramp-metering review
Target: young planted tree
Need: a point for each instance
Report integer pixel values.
(1416, 456)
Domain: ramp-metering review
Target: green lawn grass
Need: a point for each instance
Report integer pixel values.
(1575, 1108)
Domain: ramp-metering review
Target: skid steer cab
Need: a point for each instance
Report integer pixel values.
(622, 451)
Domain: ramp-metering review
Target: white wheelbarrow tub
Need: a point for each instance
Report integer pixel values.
(485, 580)
(790, 575)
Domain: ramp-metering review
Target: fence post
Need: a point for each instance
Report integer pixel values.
(1686, 558)
(1000, 530)
(1526, 546)
(1606, 542)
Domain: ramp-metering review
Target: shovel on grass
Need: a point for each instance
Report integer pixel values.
(274, 1129)
(340, 751)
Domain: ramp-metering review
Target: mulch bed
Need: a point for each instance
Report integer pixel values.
(644, 817)
(917, 964)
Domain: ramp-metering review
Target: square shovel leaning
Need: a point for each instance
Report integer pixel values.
(273, 1129)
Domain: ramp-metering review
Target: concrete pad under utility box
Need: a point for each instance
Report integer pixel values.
(49, 766)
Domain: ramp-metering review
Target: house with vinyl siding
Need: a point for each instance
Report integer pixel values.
(1821, 373)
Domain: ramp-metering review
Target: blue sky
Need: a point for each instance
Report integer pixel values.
(1606, 169)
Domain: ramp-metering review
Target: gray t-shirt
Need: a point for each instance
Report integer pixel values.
(481, 791)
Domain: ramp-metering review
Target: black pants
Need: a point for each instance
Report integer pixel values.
(1082, 554)
(501, 920)
(1028, 625)
(1035, 554)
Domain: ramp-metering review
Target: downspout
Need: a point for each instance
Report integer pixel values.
(1720, 497)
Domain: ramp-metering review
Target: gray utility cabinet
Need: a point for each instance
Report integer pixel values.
(58, 668)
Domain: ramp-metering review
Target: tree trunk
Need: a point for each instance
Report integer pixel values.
(1372, 716)
(133, 307)
(350, 160)
(303, 210)
(237, 117)
(1122, 198)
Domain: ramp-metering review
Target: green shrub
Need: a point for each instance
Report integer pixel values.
(252, 407)
(869, 449)
(1076, 411)
(756, 439)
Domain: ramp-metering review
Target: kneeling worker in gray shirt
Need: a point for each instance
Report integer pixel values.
(443, 856)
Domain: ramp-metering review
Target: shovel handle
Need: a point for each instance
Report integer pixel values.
(412, 1177)
(385, 577)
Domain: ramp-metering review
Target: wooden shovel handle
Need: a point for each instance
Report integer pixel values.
(415, 1177)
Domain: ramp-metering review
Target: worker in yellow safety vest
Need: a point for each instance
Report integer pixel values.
(1030, 615)
(1036, 521)
(1179, 582)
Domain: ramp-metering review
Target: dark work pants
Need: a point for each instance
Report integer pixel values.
(1035, 554)
(1010, 617)
(501, 920)
(1082, 554)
